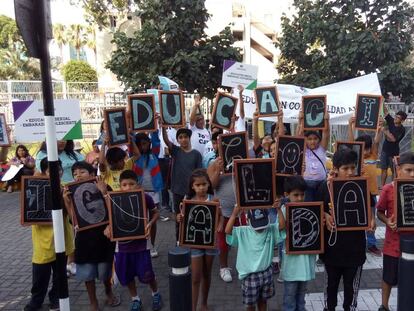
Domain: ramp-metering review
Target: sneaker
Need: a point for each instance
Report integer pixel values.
(226, 275)
(54, 306)
(156, 302)
(71, 268)
(382, 308)
(153, 252)
(374, 251)
(280, 277)
(164, 219)
(136, 305)
(29, 307)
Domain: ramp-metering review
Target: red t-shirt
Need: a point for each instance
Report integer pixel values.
(386, 204)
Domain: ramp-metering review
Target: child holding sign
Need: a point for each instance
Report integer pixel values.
(386, 214)
(200, 189)
(132, 258)
(297, 269)
(254, 255)
(344, 250)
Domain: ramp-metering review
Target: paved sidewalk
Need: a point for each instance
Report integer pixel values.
(15, 273)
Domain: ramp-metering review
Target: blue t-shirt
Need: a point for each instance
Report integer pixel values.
(297, 267)
(254, 248)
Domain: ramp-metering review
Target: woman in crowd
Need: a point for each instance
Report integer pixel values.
(22, 157)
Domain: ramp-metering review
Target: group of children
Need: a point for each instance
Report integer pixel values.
(195, 175)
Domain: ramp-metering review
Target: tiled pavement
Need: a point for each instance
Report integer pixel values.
(15, 273)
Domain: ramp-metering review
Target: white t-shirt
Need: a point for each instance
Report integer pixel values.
(199, 139)
(171, 132)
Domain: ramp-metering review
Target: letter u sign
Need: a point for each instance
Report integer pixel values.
(172, 108)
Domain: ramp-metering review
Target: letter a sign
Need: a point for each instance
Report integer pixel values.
(267, 101)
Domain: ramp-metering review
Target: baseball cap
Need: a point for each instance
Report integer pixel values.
(258, 218)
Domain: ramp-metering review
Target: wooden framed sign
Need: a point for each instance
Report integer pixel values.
(224, 110)
(89, 208)
(35, 201)
(116, 126)
(367, 112)
(351, 203)
(404, 204)
(142, 109)
(231, 147)
(128, 215)
(255, 182)
(198, 228)
(4, 134)
(358, 147)
(267, 101)
(290, 155)
(172, 108)
(280, 184)
(304, 228)
(314, 110)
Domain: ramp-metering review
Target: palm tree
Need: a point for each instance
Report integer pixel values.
(91, 41)
(77, 37)
(60, 37)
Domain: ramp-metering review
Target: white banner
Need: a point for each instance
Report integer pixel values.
(341, 98)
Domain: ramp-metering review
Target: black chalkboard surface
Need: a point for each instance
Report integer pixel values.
(88, 203)
(304, 228)
(127, 215)
(198, 228)
(35, 201)
(404, 204)
(290, 155)
(116, 126)
(142, 108)
(172, 108)
(224, 110)
(358, 147)
(314, 111)
(351, 203)
(231, 147)
(255, 182)
(267, 101)
(367, 112)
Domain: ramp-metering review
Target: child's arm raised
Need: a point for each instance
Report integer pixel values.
(195, 110)
(299, 130)
(102, 159)
(256, 138)
(351, 128)
(377, 138)
(136, 154)
(165, 137)
(280, 125)
(230, 223)
(326, 133)
(280, 216)
(241, 101)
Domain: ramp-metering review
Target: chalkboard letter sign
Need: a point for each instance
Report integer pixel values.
(224, 109)
(367, 112)
(88, 203)
(127, 215)
(142, 108)
(314, 111)
(267, 101)
(304, 228)
(198, 228)
(116, 126)
(35, 201)
(351, 203)
(358, 147)
(4, 135)
(231, 147)
(172, 108)
(255, 182)
(404, 204)
(290, 155)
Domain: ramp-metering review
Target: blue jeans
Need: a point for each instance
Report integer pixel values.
(371, 239)
(294, 295)
(312, 187)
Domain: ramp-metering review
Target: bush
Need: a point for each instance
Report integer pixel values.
(79, 71)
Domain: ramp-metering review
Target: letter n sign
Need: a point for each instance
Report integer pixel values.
(267, 101)
(224, 110)
(142, 108)
(367, 112)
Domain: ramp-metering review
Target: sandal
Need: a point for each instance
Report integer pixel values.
(116, 301)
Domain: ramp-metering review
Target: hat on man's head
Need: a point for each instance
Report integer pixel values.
(258, 218)
(183, 131)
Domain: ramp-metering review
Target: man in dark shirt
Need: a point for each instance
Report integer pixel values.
(394, 132)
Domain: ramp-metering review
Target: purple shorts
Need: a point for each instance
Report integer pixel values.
(131, 265)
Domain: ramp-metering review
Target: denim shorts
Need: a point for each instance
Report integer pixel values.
(90, 271)
(386, 161)
(198, 252)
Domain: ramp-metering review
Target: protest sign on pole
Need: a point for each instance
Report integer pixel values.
(235, 74)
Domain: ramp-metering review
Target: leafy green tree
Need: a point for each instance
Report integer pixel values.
(77, 37)
(60, 37)
(172, 42)
(329, 41)
(15, 63)
(79, 71)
